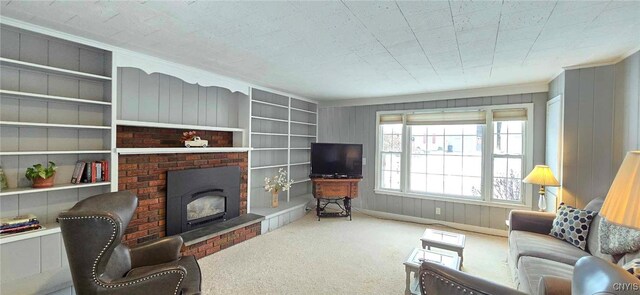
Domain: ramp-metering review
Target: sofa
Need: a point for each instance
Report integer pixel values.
(541, 264)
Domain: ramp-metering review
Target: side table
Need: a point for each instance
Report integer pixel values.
(433, 238)
(415, 259)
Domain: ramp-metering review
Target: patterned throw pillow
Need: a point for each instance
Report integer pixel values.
(572, 225)
(633, 267)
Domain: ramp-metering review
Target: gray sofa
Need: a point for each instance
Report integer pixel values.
(540, 263)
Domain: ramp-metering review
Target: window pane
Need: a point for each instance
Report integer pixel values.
(395, 162)
(500, 167)
(472, 145)
(453, 144)
(472, 166)
(435, 144)
(386, 161)
(499, 143)
(435, 183)
(417, 130)
(391, 138)
(435, 130)
(515, 168)
(452, 165)
(515, 144)
(507, 189)
(395, 180)
(418, 164)
(418, 182)
(418, 145)
(453, 185)
(386, 179)
(435, 164)
(513, 126)
(472, 186)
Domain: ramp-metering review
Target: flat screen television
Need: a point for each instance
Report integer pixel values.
(336, 160)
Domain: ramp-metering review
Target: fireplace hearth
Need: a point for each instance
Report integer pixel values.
(200, 197)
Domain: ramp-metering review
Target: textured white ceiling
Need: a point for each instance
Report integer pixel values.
(344, 49)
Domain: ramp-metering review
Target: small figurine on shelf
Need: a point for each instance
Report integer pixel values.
(40, 176)
(276, 184)
(3, 180)
(191, 138)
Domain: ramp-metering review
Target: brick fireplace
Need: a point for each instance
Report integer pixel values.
(146, 176)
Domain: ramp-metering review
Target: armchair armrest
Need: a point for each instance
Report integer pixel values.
(158, 251)
(162, 279)
(593, 275)
(550, 285)
(438, 279)
(531, 221)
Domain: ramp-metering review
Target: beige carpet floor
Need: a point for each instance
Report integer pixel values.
(337, 256)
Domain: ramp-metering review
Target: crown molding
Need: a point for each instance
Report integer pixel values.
(441, 95)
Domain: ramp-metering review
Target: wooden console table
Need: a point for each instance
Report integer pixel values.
(331, 190)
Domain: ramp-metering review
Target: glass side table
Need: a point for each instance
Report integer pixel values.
(414, 261)
(433, 238)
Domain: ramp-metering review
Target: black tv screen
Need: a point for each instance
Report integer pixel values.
(335, 159)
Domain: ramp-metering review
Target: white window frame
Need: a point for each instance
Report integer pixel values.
(487, 159)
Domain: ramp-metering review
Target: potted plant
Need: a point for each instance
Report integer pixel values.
(41, 176)
(276, 184)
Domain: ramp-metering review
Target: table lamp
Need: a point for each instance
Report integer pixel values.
(543, 176)
(622, 204)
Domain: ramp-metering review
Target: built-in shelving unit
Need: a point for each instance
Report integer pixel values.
(180, 150)
(282, 129)
(55, 105)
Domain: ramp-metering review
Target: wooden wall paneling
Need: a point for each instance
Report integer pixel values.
(33, 48)
(63, 55)
(9, 138)
(10, 79)
(485, 216)
(222, 114)
(164, 98)
(9, 205)
(602, 158)
(58, 201)
(212, 106)
(9, 43)
(427, 208)
(497, 217)
(570, 153)
(91, 115)
(93, 90)
(51, 248)
(20, 259)
(149, 96)
(175, 101)
(234, 108)
(94, 62)
(450, 211)
(32, 139)
(130, 93)
(459, 213)
(472, 214)
(92, 139)
(30, 81)
(32, 111)
(584, 185)
(60, 139)
(190, 104)
(61, 86)
(202, 105)
(33, 203)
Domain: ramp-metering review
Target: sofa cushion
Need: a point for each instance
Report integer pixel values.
(522, 243)
(572, 225)
(531, 270)
(593, 240)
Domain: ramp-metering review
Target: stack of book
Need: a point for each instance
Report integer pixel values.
(18, 224)
(90, 172)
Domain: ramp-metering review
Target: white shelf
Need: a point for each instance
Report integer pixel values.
(49, 125)
(302, 181)
(302, 135)
(300, 148)
(270, 104)
(303, 123)
(269, 149)
(176, 126)
(46, 229)
(19, 94)
(269, 133)
(300, 164)
(284, 207)
(269, 166)
(26, 153)
(57, 187)
(52, 70)
(302, 110)
(180, 150)
(269, 119)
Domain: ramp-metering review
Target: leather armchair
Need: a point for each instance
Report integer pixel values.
(591, 276)
(100, 264)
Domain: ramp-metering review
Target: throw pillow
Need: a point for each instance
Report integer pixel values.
(572, 225)
(633, 267)
(616, 239)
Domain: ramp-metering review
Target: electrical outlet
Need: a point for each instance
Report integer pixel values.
(437, 211)
(364, 161)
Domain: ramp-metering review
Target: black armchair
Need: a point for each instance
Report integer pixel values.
(100, 264)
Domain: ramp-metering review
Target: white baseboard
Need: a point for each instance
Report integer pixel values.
(460, 226)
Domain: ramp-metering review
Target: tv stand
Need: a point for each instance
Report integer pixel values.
(331, 191)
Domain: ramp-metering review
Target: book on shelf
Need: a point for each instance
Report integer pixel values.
(90, 172)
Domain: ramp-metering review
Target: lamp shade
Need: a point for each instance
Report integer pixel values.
(622, 205)
(541, 175)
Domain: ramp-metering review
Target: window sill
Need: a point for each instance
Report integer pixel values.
(453, 200)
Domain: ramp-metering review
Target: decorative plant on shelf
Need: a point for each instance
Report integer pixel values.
(276, 184)
(41, 176)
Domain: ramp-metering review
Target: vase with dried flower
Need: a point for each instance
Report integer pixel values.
(276, 184)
